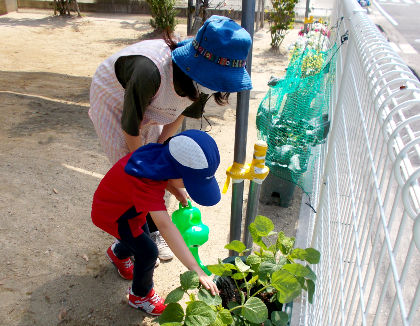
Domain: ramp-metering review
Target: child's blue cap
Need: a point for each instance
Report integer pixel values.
(191, 155)
(196, 157)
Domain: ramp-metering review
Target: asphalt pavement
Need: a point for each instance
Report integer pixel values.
(398, 21)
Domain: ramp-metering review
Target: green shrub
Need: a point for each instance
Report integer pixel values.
(281, 20)
(163, 15)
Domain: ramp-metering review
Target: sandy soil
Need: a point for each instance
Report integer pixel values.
(53, 268)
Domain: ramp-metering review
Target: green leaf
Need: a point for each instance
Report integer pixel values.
(286, 284)
(242, 296)
(296, 269)
(273, 248)
(301, 281)
(263, 225)
(311, 290)
(266, 269)
(219, 269)
(282, 261)
(268, 255)
(206, 297)
(173, 313)
(312, 256)
(253, 260)
(285, 244)
(236, 245)
(255, 237)
(254, 310)
(242, 267)
(217, 322)
(253, 279)
(171, 324)
(268, 323)
(232, 304)
(311, 275)
(175, 295)
(298, 253)
(279, 318)
(198, 313)
(225, 316)
(189, 280)
(239, 276)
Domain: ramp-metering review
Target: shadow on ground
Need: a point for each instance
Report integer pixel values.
(63, 301)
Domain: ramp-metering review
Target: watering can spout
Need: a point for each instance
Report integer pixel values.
(188, 221)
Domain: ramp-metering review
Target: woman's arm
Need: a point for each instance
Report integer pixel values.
(170, 129)
(177, 244)
(133, 142)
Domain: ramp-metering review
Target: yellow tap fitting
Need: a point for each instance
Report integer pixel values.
(309, 20)
(257, 171)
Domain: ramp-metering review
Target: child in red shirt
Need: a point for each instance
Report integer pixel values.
(135, 187)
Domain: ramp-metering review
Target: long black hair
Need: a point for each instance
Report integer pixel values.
(221, 98)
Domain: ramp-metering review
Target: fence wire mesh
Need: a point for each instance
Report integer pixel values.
(367, 221)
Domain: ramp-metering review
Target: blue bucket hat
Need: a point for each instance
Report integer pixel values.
(216, 57)
(191, 155)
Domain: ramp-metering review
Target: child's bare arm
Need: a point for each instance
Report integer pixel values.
(175, 241)
(179, 193)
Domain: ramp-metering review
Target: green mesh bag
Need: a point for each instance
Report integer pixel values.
(293, 116)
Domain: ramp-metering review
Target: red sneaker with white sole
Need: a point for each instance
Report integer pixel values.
(152, 303)
(125, 267)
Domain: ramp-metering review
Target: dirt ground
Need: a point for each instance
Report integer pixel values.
(53, 269)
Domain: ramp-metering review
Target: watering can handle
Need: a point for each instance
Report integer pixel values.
(189, 205)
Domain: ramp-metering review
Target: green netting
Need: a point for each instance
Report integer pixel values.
(293, 116)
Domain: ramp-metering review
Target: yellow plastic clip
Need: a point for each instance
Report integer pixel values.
(309, 20)
(257, 171)
(236, 171)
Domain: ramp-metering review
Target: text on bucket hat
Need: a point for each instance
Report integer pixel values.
(216, 57)
(196, 158)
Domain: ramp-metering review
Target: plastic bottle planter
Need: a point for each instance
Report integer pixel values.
(276, 190)
(188, 221)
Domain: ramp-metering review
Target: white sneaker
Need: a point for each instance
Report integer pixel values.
(165, 252)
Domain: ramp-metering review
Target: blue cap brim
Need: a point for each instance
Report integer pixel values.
(204, 192)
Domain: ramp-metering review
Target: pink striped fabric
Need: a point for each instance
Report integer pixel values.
(107, 96)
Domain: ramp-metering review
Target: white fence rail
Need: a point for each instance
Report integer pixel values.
(367, 224)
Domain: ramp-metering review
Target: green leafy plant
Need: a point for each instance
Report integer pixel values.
(281, 20)
(163, 15)
(252, 288)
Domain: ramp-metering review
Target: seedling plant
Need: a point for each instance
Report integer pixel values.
(252, 287)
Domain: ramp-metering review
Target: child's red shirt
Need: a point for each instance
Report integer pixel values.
(118, 192)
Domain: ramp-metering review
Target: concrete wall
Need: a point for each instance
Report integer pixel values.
(8, 6)
(118, 6)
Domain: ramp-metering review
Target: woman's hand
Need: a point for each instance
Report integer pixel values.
(208, 283)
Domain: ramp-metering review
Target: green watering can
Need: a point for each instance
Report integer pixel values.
(188, 221)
